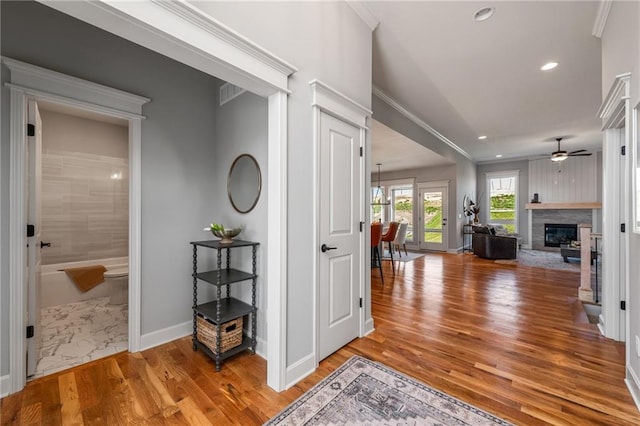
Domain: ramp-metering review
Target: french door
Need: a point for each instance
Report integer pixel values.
(432, 217)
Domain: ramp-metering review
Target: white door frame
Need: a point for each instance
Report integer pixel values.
(181, 31)
(615, 114)
(31, 82)
(328, 100)
(420, 186)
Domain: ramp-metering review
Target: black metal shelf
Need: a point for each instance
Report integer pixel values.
(224, 309)
(227, 276)
(230, 309)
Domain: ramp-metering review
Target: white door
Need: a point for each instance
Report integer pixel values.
(34, 151)
(432, 218)
(339, 238)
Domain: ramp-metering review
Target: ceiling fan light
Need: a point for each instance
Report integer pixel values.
(483, 14)
(559, 157)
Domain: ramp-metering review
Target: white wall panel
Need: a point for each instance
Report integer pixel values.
(572, 180)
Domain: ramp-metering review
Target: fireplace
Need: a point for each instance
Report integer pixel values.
(559, 233)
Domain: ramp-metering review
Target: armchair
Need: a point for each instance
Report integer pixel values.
(489, 246)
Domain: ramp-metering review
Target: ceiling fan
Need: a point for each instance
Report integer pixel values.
(561, 155)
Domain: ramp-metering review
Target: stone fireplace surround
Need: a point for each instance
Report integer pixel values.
(574, 213)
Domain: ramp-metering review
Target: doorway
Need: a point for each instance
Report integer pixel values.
(78, 256)
(433, 202)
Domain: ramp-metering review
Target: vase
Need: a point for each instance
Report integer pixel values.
(475, 219)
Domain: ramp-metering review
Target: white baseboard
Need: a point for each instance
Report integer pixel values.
(368, 327)
(455, 251)
(4, 385)
(261, 348)
(299, 370)
(159, 337)
(633, 384)
(526, 246)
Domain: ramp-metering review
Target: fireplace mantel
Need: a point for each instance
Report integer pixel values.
(562, 206)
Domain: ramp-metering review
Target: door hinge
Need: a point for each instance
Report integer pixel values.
(361, 226)
(623, 305)
(361, 151)
(622, 227)
(623, 150)
(31, 230)
(31, 130)
(30, 331)
(361, 302)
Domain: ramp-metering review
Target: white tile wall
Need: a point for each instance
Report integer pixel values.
(84, 211)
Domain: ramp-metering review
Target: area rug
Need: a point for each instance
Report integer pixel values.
(363, 392)
(408, 257)
(543, 259)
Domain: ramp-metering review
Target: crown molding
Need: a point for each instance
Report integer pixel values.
(364, 13)
(195, 16)
(612, 111)
(329, 99)
(402, 110)
(604, 7)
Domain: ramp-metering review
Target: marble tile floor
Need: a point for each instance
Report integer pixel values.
(80, 332)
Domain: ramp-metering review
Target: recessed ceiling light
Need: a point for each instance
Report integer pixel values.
(499, 156)
(549, 66)
(482, 137)
(483, 14)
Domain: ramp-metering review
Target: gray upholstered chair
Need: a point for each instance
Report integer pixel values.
(400, 239)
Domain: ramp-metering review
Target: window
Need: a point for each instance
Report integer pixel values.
(402, 207)
(378, 211)
(502, 203)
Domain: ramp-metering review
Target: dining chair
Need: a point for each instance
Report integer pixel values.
(401, 238)
(388, 237)
(376, 238)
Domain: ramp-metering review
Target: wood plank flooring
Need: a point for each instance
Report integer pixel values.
(510, 339)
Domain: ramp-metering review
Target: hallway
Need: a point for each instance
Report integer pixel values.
(510, 339)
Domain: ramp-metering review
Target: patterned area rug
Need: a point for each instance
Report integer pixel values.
(363, 392)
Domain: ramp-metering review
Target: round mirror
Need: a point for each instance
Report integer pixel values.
(244, 183)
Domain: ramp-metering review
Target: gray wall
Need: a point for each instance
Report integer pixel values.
(180, 190)
(461, 173)
(325, 41)
(620, 54)
(239, 138)
(523, 191)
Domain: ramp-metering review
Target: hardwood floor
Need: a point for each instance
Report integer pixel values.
(510, 339)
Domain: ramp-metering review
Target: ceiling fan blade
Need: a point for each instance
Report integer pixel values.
(575, 152)
(580, 155)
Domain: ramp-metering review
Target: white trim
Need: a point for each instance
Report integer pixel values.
(402, 110)
(135, 234)
(633, 384)
(165, 335)
(612, 111)
(300, 369)
(277, 196)
(5, 382)
(17, 240)
(79, 93)
(183, 32)
(394, 183)
(600, 23)
(36, 79)
(338, 105)
(433, 184)
(364, 13)
(455, 251)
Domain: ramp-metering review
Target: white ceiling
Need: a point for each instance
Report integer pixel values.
(466, 78)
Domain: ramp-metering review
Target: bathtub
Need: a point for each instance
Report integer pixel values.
(56, 288)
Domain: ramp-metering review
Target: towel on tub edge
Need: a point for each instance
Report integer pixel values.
(86, 277)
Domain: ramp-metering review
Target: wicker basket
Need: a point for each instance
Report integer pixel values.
(230, 334)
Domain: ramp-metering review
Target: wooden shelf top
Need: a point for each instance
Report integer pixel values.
(562, 206)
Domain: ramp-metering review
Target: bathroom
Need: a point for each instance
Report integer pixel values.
(84, 215)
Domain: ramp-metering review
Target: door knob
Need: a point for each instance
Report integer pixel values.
(43, 244)
(325, 248)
